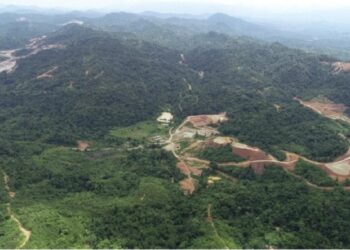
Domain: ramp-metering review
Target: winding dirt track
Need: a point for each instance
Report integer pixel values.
(211, 221)
(287, 165)
(26, 233)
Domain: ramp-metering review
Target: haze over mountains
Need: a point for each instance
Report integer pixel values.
(317, 35)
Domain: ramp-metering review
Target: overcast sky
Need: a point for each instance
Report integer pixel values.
(236, 7)
(255, 4)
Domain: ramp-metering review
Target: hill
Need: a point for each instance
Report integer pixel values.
(125, 75)
(85, 164)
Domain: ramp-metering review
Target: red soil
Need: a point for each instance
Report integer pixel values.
(183, 168)
(212, 144)
(205, 120)
(188, 186)
(195, 171)
(186, 170)
(250, 154)
(200, 120)
(83, 145)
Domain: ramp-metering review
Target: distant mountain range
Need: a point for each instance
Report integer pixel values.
(85, 164)
(316, 38)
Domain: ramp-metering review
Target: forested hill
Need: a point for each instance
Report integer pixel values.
(83, 161)
(99, 80)
(91, 81)
(168, 30)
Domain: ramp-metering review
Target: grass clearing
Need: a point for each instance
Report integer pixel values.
(142, 130)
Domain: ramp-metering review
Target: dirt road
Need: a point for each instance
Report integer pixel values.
(26, 233)
(211, 221)
(287, 165)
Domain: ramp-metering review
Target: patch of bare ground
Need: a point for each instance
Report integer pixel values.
(35, 46)
(201, 74)
(196, 145)
(38, 44)
(188, 186)
(340, 169)
(220, 141)
(8, 66)
(83, 145)
(182, 59)
(277, 107)
(327, 108)
(249, 153)
(183, 168)
(190, 165)
(341, 67)
(170, 147)
(47, 74)
(189, 133)
(195, 171)
(205, 120)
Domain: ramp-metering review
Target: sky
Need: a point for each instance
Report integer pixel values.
(270, 5)
(236, 7)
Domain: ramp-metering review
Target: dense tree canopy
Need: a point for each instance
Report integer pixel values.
(124, 191)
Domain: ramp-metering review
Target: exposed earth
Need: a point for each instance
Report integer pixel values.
(327, 108)
(190, 165)
(36, 45)
(341, 67)
(83, 145)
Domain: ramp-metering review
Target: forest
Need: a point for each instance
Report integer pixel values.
(105, 82)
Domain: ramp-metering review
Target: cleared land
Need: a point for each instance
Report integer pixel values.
(142, 130)
(339, 169)
(36, 45)
(205, 120)
(326, 108)
(190, 165)
(8, 63)
(250, 153)
(83, 145)
(341, 67)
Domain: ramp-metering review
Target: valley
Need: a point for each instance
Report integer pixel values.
(133, 131)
